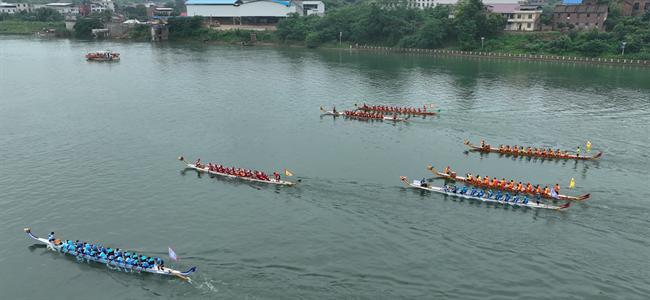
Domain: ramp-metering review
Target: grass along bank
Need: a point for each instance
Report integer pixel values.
(30, 27)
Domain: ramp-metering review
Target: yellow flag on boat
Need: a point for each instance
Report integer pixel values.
(588, 146)
(287, 173)
(572, 184)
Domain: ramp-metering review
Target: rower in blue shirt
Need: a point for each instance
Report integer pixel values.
(525, 200)
(507, 197)
(50, 237)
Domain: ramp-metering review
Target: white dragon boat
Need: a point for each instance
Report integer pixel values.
(418, 184)
(206, 170)
(57, 246)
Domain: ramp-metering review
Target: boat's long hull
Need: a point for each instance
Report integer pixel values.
(474, 183)
(421, 113)
(341, 114)
(417, 185)
(479, 149)
(165, 271)
(271, 181)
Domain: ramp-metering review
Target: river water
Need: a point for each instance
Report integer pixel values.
(89, 150)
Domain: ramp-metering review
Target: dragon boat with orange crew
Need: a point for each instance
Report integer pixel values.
(482, 195)
(449, 175)
(531, 152)
(106, 55)
(397, 110)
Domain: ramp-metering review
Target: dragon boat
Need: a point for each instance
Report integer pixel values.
(57, 246)
(401, 110)
(417, 184)
(204, 169)
(106, 55)
(342, 114)
(522, 153)
(455, 177)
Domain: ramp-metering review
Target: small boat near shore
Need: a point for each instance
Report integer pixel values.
(58, 246)
(105, 55)
(548, 155)
(205, 169)
(417, 184)
(397, 110)
(362, 118)
(454, 177)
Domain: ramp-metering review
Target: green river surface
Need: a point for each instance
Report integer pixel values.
(89, 150)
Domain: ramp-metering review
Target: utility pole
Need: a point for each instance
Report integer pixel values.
(623, 48)
(482, 40)
(340, 38)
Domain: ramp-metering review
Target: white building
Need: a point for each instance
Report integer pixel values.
(518, 17)
(8, 8)
(240, 11)
(64, 8)
(313, 8)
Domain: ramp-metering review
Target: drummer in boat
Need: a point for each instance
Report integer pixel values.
(447, 170)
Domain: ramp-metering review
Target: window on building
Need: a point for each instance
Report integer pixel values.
(530, 16)
(587, 15)
(596, 24)
(528, 25)
(647, 6)
(636, 6)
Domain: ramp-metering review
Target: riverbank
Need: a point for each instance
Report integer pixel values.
(493, 48)
(31, 27)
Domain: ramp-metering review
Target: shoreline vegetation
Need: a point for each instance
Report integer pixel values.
(463, 30)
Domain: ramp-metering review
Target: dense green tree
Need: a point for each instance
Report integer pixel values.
(84, 26)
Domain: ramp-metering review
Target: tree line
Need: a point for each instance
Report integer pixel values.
(466, 26)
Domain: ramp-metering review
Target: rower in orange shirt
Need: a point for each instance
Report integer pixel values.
(547, 191)
(520, 187)
(468, 177)
(538, 190)
(556, 188)
(529, 188)
(486, 181)
(502, 183)
(495, 182)
(511, 185)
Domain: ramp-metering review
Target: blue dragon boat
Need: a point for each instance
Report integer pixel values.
(58, 246)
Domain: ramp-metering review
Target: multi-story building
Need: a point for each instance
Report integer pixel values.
(64, 8)
(586, 16)
(518, 17)
(313, 8)
(8, 8)
(240, 12)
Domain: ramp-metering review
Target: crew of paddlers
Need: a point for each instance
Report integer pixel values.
(123, 258)
(394, 109)
(504, 184)
(489, 194)
(366, 115)
(520, 150)
(239, 172)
